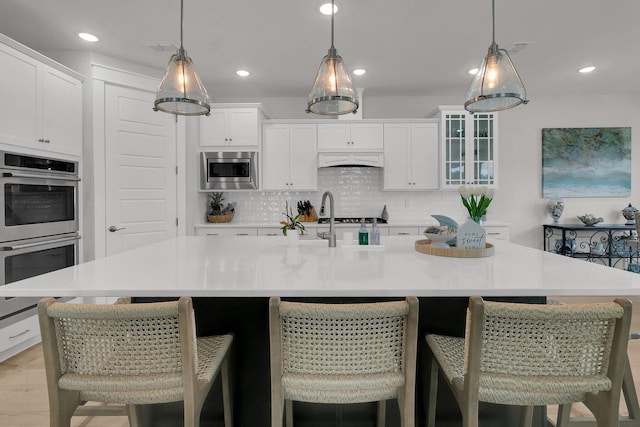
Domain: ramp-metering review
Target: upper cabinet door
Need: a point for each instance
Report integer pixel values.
(230, 127)
(424, 156)
(243, 126)
(19, 87)
(289, 157)
(350, 137)
(397, 156)
(367, 137)
(213, 129)
(275, 157)
(45, 112)
(61, 112)
(334, 137)
(411, 156)
(304, 157)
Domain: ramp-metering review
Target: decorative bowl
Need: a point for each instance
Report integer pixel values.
(589, 219)
(440, 240)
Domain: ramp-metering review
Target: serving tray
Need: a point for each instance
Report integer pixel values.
(424, 246)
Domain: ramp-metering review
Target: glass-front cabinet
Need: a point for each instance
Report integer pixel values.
(468, 147)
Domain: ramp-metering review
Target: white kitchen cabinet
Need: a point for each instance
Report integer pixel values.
(469, 147)
(289, 157)
(228, 128)
(411, 156)
(270, 231)
(19, 336)
(497, 232)
(45, 112)
(406, 231)
(350, 137)
(222, 231)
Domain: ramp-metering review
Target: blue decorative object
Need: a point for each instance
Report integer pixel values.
(449, 222)
(634, 267)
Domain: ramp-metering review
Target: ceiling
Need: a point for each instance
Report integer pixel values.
(408, 47)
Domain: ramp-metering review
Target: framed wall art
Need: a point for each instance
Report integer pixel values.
(586, 162)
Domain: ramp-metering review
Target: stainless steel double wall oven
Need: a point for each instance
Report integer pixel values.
(39, 231)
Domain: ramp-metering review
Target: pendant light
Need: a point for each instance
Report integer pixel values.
(497, 85)
(181, 91)
(332, 93)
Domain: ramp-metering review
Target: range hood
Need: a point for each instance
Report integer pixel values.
(328, 160)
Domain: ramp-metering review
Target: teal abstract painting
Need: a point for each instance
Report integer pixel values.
(586, 162)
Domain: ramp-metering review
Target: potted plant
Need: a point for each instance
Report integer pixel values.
(217, 212)
(291, 222)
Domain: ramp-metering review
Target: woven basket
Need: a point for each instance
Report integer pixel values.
(220, 218)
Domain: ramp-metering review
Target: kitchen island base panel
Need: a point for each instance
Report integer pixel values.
(248, 318)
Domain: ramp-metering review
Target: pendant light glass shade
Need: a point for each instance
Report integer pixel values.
(497, 85)
(181, 91)
(332, 93)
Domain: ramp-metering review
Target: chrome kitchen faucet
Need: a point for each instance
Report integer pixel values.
(331, 234)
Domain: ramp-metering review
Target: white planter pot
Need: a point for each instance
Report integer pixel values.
(292, 237)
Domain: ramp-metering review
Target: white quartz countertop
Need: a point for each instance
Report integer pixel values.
(266, 266)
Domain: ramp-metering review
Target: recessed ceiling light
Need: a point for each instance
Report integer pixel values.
(359, 71)
(325, 9)
(585, 70)
(243, 73)
(473, 71)
(88, 37)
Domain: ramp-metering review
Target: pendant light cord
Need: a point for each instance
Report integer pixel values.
(333, 12)
(181, 21)
(493, 17)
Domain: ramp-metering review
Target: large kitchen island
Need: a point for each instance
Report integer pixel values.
(232, 278)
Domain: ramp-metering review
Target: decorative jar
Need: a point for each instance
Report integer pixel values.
(555, 207)
(629, 213)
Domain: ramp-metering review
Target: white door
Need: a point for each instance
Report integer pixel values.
(140, 170)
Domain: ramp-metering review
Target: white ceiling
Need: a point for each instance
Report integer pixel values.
(409, 47)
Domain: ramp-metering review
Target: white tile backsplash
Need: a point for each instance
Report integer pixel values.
(357, 192)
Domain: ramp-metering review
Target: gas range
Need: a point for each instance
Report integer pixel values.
(352, 220)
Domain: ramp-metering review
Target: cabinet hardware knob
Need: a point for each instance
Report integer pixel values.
(46, 141)
(41, 140)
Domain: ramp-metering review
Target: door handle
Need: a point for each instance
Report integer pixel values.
(113, 228)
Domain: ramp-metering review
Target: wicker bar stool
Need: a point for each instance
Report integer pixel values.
(343, 353)
(535, 355)
(126, 355)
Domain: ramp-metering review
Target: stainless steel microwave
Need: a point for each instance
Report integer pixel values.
(229, 170)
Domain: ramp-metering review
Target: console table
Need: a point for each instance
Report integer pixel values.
(607, 244)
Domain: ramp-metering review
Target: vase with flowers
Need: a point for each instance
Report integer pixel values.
(291, 226)
(476, 200)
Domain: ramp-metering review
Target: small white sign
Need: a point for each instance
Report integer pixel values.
(471, 235)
